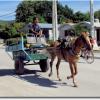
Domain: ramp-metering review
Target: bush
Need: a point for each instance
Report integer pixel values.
(79, 28)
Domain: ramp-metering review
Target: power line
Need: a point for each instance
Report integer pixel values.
(7, 14)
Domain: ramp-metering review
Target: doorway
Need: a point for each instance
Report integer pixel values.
(98, 36)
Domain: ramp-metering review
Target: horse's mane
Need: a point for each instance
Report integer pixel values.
(77, 41)
(73, 41)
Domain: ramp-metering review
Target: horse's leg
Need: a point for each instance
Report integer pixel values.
(74, 67)
(51, 63)
(75, 70)
(72, 73)
(71, 69)
(57, 68)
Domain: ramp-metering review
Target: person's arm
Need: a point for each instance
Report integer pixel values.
(33, 31)
(40, 32)
(37, 33)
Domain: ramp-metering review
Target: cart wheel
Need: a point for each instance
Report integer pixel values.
(89, 57)
(19, 67)
(44, 65)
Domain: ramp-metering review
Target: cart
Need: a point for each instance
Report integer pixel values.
(26, 49)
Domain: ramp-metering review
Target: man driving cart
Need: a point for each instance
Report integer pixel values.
(35, 30)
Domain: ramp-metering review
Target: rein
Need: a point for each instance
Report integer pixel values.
(63, 53)
(72, 50)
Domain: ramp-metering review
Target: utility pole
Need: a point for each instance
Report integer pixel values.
(92, 18)
(93, 34)
(54, 20)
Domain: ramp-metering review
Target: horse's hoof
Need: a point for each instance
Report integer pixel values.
(50, 75)
(60, 80)
(75, 85)
(68, 77)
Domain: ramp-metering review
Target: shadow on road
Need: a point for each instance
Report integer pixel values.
(30, 76)
(10, 72)
(5, 72)
(39, 80)
(96, 57)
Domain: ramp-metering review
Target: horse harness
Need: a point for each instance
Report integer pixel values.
(71, 50)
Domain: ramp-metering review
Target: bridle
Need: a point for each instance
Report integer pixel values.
(72, 50)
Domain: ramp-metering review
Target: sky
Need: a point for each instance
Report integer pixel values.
(81, 5)
(8, 7)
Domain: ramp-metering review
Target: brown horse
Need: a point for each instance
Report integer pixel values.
(70, 55)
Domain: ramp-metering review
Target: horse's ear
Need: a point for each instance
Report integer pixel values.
(84, 35)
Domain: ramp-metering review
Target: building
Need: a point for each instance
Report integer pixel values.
(64, 28)
(68, 26)
(96, 29)
(47, 29)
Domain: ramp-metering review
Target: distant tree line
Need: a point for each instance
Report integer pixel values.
(26, 10)
(10, 30)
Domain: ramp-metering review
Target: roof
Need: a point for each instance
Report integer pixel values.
(45, 25)
(96, 24)
(66, 26)
(1, 29)
(42, 25)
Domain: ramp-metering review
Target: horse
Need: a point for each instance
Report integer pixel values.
(71, 55)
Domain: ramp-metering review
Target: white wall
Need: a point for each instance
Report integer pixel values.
(50, 35)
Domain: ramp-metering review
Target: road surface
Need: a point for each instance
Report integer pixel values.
(38, 84)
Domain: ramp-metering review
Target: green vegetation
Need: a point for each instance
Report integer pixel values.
(27, 9)
(97, 14)
(10, 29)
(78, 28)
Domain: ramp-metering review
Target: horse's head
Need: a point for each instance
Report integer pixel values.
(85, 40)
